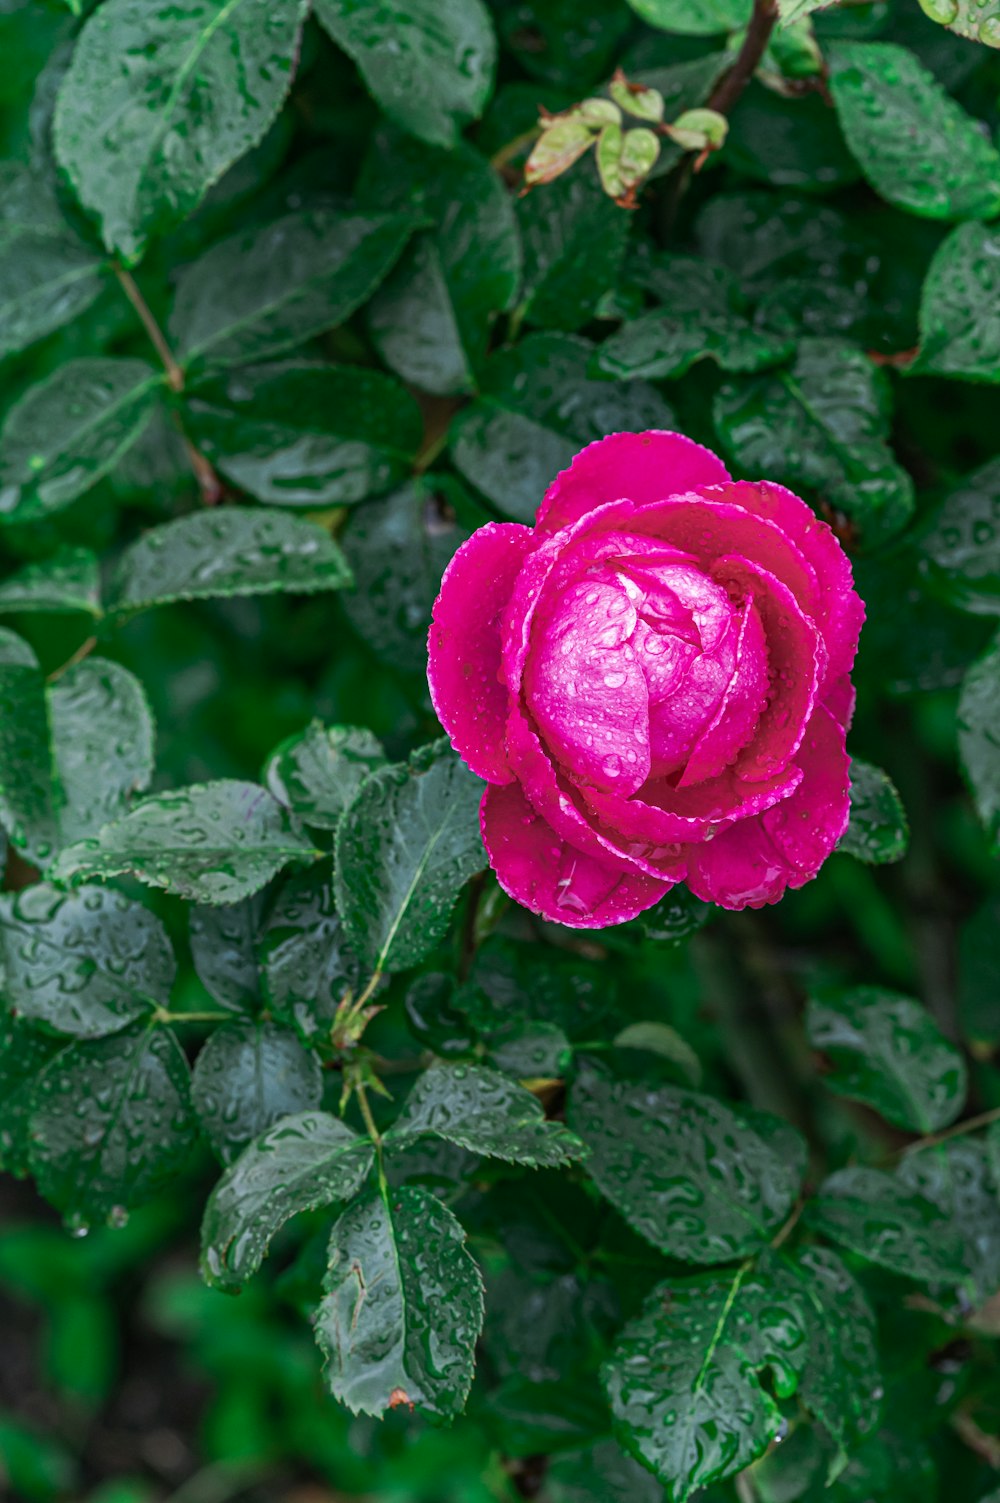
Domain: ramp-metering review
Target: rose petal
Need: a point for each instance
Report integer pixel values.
(585, 688)
(838, 610)
(753, 861)
(663, 815)
(464, 645)
(540, 870)
(641, 466)
(796, 664)
(839, 699)
(740, 708)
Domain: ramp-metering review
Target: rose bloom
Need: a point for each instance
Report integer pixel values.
(653, 682)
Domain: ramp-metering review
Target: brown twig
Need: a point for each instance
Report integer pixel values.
(722, 99)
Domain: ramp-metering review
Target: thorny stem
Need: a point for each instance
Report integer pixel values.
(722, 98)
(208, 481)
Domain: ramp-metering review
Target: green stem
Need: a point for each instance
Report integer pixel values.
(373, 1133)
(164, 1015)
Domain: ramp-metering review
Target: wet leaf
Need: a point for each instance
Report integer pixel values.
(822, 425)
(701, 314)
(537, 407)
(317, 772)
(403, 1306)
(227, 551)
(24, 1053)
(681, 1168)
(878, 830)
(306, 434)
(887, 1051)
(307, 963)
(269, 288)
(110, 1124)
(47, 277)
(223, 944)
(569, 42)
(878, 1217)
(71, 753)
(67, 581)
(959, 317)
(210, 843)
(69, 430)
(560, 144)
(405, 848)
(979, 737)
(158, 102)
(699, 18)
(247, 1077)
(574, 242)
(959, 1178)
(431, 320)
(659, 1038)
(601, 1474)
(960, 553)
(302, 1162)
(688, 1379)
(979, 20)
(429, 63)
(85, 963)
(916, 146)
(483, 1111)
(398, 548)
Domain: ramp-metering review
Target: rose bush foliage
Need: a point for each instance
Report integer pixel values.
(655, 683)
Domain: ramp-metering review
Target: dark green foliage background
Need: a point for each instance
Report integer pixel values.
(277, 333)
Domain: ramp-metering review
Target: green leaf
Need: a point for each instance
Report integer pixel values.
(247, 1077)
(654, 1037)
(572, 43)
(210, 843)
(960, 553)
(696, 18)
(302, 1162)
(431, 320)
(429, 63)
(47, 279)
(822, 425)
(24, 1053)
(223, 944)
(102, 744)
(67, 581)
(71, 753)
(979, 20)
(110, 1124)
(959, 1179)
(269, 288)
(701, 315)
(790, 11)
(878, 830)
(85, 963)
(538, 406)
(483, 1111)
(307, 963)
(229, 550)
(574, 242)
(158, 102)
(979, 974)
(959, 317)
(404, 850)
(882, 1220)
(688, 1379)
(602, 1473)
(71, 429)
(398, 548)
(403, 1306)
(317, 772)
(887, 1051)
(683, 1170)
(306, 434)
(915, 145)
(979, 737)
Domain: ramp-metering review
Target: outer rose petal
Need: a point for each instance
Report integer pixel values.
(841, 610)
(643, 467)
(753, 861)
(540, 870)
(839, 699)
(464, 645)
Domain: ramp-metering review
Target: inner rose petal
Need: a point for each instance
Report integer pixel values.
(585, 687)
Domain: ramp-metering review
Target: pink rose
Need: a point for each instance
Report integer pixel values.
(654, 682)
